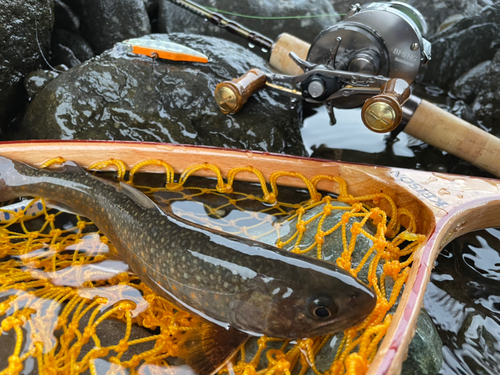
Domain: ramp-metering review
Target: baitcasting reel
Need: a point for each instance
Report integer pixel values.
(369, 58)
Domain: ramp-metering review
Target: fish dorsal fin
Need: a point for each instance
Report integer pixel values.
(137, 196)
(71, 167)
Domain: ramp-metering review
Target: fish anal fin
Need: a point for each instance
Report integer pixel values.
(208, 347)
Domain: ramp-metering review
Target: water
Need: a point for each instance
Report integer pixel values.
(463, 296)
(463, 300)
(349, 133)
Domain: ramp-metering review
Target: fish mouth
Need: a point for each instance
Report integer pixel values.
(336, 326)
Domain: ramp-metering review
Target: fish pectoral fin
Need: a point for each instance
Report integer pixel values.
(209, 347)
(137, 196)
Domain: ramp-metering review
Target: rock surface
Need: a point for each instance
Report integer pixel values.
(79, 46)
(65, 17)
(131, 97)
(437, 11)
(173, 18)
(424, 353)
(25, 27)
(485, 105)
(106, 22)
(462, 46)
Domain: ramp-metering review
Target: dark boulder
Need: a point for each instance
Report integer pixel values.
(37, 80)
(466, 87)
(462, 46)
(486, 104)
(80, 49)
(106, 22)
(25, 27)
(130, 97)
(437, 11)
(65, 17)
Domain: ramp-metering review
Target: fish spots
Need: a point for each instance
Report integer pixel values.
(216, 296)
(193, 295)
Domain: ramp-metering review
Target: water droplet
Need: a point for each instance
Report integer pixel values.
(443, 191)
(205, 19)
(251, 45)
(434, 90)
(249, 154)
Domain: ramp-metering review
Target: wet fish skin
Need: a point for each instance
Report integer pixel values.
(228, 280)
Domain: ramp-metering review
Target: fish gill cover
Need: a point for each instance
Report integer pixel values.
(68, 304)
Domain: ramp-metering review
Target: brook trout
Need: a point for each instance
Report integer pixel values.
(233, 282)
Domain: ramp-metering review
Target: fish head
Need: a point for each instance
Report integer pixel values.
(315, 301)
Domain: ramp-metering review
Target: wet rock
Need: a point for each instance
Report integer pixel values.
(79, 46)
(151, 6)
(131, 97)
(64, 55)
(467, 86)
(106, 22)
(424, 353)
(485, 105)
(462, 46)
(65, 17)
(25, 27)
(437, 11)
(173, 18)
(37, 80)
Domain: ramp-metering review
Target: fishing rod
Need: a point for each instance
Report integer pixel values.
(369, 59)
(233, 27)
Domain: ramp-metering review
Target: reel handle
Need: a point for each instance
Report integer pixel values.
(382, 113)
(231, 95)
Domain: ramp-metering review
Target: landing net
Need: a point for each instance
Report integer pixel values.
(63, 289)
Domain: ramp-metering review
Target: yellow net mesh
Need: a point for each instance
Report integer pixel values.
(57, 300)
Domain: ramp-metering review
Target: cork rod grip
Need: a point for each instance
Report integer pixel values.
(441, 129)
(279, 58)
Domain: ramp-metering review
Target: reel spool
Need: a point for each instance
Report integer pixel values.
(376, 38)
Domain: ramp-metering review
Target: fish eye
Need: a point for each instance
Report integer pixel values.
(321, 307)
(322, 312)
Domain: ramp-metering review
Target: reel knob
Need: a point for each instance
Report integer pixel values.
(382, 113)
(232, 95)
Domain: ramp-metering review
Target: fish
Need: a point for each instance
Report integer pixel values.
(238, 286)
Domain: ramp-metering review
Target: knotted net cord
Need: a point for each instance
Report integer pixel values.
(54, 298)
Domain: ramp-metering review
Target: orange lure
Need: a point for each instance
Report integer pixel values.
(165, 50)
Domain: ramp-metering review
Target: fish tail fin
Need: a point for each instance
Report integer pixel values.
(10, 179)
(208, 347)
